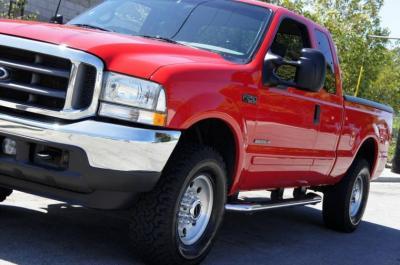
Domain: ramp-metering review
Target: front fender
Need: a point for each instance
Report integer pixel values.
(197, 92)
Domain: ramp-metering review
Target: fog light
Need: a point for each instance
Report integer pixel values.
(9, 147)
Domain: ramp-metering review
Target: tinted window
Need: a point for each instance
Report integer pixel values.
(291, 38)
(229, 28)
(325, 48)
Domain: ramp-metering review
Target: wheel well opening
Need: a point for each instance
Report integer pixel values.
(218, 135)
(368, 152)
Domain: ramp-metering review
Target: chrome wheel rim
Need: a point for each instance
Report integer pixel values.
(356, 198)
(195, 210)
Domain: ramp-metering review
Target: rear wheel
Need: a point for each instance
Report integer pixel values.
(177, 222)
(345, 203)
(4, 193)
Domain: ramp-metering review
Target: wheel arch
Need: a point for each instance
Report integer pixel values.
(210, 127)
(368, 150)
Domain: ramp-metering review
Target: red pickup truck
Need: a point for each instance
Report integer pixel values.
(171, 108)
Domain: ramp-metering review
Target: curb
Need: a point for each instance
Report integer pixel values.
(387, 180)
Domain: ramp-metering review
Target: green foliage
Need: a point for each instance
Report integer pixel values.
(387, 84)
(396, 130)
(298, 6)
(15, 9)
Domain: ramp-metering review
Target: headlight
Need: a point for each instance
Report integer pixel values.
(132, 99)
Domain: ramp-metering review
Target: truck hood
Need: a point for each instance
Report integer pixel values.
(125, 54)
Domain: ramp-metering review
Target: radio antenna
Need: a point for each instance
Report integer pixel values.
(58, 8)
(57, 18)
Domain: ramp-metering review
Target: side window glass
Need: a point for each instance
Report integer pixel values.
(291, 38)
(325, 48)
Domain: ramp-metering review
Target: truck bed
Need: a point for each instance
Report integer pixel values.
(369, 103)
(364, 120)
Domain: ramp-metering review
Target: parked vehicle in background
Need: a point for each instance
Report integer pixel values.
(174, 113)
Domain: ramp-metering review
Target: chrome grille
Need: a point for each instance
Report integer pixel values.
(48, 79)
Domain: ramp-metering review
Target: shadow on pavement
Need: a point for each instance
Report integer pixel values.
(71, 235)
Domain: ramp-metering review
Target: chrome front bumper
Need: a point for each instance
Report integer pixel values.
(107, 146)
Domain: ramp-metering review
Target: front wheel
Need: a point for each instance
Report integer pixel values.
(345, 203)
(177, 222)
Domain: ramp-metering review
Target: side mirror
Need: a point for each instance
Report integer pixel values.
(310, 70)
(57, 19)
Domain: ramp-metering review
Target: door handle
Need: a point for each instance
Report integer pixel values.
(317, 115)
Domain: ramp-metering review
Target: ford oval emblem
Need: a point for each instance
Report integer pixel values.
(3, 73)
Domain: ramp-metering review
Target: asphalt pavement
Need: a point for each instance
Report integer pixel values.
(37, 231)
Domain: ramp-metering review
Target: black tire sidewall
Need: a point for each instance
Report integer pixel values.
(336, 205)
(215, 171)
(363, 166)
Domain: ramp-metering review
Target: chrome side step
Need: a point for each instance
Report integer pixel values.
(245, 207)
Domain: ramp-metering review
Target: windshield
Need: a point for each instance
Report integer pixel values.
(230, 28)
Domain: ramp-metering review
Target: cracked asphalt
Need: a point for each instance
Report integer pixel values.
(37, 231)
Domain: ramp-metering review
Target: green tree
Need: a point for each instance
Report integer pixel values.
(395, 149)
(350, 23)
(386, 87)
(15, 9)
(299, 6)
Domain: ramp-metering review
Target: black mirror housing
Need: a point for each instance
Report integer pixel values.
(58, 19)
(311, 73)
(310, 70)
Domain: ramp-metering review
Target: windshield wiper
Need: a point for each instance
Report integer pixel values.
(91, 27)
(161, 39)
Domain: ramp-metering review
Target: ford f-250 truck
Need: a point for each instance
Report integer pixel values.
(171, 108)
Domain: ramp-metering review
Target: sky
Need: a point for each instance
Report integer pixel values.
(391, 17)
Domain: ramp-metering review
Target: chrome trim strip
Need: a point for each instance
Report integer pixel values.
(251, 208)
(35, 68)
(76, 57)
(33, 89)
(71, 85)
(108, 146)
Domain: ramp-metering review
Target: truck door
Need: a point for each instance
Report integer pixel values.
(286, 131)
(331, 110)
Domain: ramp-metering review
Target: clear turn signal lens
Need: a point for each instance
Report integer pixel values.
(132, 114)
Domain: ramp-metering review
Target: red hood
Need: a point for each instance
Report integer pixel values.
(121, 53)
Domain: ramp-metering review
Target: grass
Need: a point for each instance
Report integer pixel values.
(396, 126)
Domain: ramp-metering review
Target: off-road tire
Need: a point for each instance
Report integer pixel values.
(4, 193)
(153, 229)
(337, 199)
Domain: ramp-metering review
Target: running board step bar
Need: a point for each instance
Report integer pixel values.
(246, 207)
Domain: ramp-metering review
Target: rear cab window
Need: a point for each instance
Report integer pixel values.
(325, 47)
